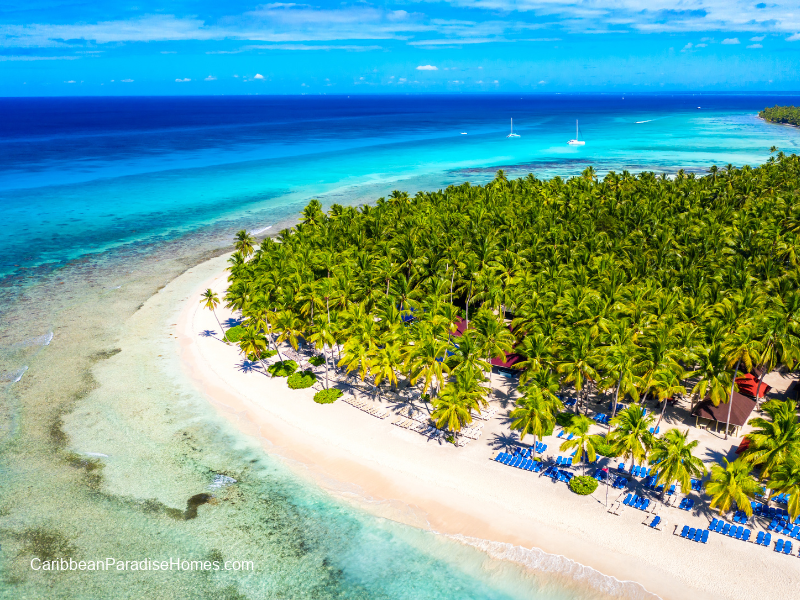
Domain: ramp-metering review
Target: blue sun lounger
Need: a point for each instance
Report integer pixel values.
(699, 534)
(779, 546)
(704, 537)
(685, 531)
(720, 525)
(787, 547)
(656, 520)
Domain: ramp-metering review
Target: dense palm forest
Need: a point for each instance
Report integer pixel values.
(636, 287)
(781, 114)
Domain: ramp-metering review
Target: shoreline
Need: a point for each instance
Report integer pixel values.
(399, 475)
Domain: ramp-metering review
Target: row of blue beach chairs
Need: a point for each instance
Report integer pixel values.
(785, 528)
(569, 437)
(740, 517)
(763, 539)
(696, 535)
(636, 470)
(518, 461)
(686, 504)
(526, 452)
(602, 418)
(784, 546)
(655, 430)
(762, 510)
(781, 498)
(637, 502)
(564, 461)
(738, 533)
(557, 474)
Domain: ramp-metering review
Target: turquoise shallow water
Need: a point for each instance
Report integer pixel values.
(106, 200)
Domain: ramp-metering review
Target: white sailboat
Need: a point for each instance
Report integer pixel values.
(576, 141)
(512, 134)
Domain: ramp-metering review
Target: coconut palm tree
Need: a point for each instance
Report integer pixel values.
(384, 364)
(494, 337)
(714, 377)
(253, 343)
(535, 413)
(210, 300)
(741, 350)
(786, 480)
(425, 360)
(451, 410)
(322, 335)
(244, 243)
(772, 441)
(583, 442)
(731, 484)
(576, 361)
(631, 437)
(672, 455)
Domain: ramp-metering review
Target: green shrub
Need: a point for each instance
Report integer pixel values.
(327, 396)
(235, 334)
(282, 368)
(317, 360)
(301, 380)
(603, 448)
(583, 485)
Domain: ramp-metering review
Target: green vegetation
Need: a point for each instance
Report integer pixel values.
(210, 300)
(234, 334)
(328, 396)
(301, 380)
(282, 368)
(583, 485)
(782, 114)
(612, 288)
(317, 360)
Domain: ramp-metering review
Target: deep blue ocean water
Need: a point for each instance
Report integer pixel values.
(82, 175)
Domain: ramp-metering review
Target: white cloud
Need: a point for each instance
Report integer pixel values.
(168, 52)
(126, 80)
(793, 38)
(258, 76)
(402, 80)
(427, 68)
(479, 81)
(495, 81)
(70, 81)
(5, 57)
(755, 46)
(730, 41)
(183, 80)
(758, 38)
(542, 82)
(686, 47)
(210, 78)
(349, 47)
(700, 45)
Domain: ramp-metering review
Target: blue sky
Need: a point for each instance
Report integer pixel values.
(132, 47)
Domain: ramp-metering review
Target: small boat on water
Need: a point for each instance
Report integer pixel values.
(576, 141)
(512, 134)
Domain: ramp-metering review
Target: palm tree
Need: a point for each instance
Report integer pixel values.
(714, 378)
(425, 360)
(732, 484)
(576, 361)
(631, 437)
(244, 243)
(289, 327)
(741, 351)
(494, 338)
(253, 343)
(786, 480)
(583, 442)
(384, 364)
(451, 409)
(667, 383)
(674, 461)
(534, 414)
(210, 301)
(321, 336)
(773, 441)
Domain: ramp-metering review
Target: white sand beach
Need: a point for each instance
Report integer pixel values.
(461, 492)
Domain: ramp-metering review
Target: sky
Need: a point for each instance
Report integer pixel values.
(132, 47)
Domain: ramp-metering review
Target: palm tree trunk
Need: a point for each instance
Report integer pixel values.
(758, 386)
(730, 400)
(616, 397)
(224, 333)
(661, 416)
(325, 357)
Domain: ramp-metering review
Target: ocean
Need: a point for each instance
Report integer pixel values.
(103, 445)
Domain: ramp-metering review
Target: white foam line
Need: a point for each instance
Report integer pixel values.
(539, 560)
(648, 121)
(261, 230)
(13, 376)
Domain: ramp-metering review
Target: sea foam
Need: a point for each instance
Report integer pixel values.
(13, 376)
(555, 564)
